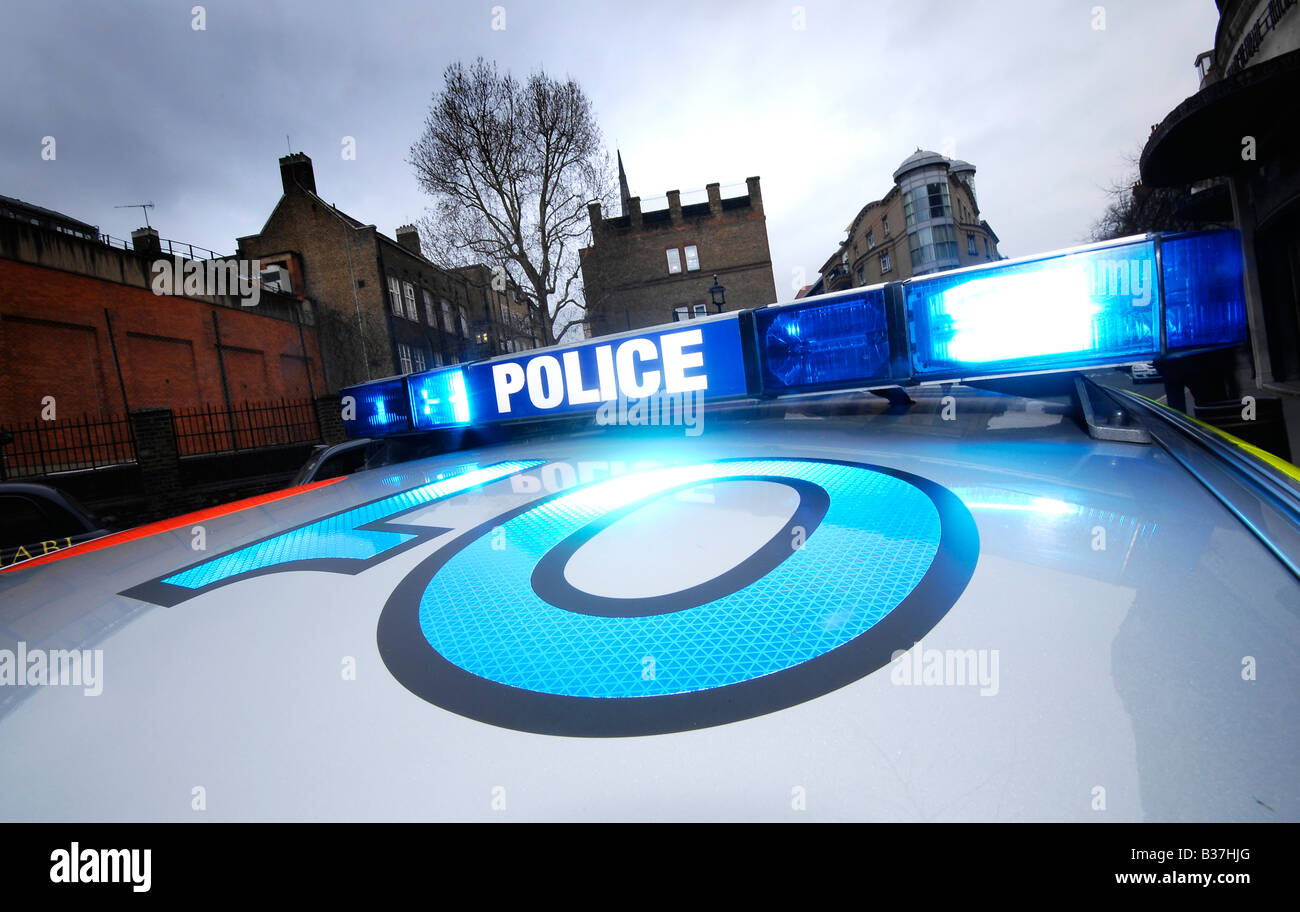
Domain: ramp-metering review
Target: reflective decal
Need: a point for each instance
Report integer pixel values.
(499, 634)
(346, 542)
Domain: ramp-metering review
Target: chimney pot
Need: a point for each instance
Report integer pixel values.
(147, 241)
(295, 172)
(409, 237)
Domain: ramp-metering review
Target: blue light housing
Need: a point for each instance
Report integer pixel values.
(844, 341)
(1204, 284)
(439, 399)
(1069, 310)
(377, 409)
(1119, 302)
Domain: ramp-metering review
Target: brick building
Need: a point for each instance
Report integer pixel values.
(927, 222)
(80, 321)
(511, 325)
(382, 307)
(657, 261)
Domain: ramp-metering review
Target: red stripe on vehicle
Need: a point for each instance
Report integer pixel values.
(166, 525)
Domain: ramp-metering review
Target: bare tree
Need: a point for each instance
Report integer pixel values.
(1135, 208)
(510, 167)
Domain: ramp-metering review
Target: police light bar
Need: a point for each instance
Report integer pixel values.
(1137, 299)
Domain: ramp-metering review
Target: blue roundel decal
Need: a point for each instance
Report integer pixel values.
(491, 627)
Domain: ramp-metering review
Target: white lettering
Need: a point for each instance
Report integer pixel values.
(643, 350)
(553, 394)
(677, 362)
(507, 379)
(578, 395)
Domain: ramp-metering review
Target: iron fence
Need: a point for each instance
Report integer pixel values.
(46, 447)
(211, 429)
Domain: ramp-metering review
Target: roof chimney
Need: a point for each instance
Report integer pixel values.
(296, 171)
(409, 237)
(146, 241)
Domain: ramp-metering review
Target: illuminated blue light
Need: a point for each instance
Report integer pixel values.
(379, 408)
(342, 535)
(1074, 309)
(1204, 286)
(842, 341)
(879, 537)
(439, 399)
(1109, 304)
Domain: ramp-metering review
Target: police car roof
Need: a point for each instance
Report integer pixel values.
(1110, 615)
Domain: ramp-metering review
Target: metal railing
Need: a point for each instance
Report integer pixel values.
(169, 247)
(211, 429)
(48, 447)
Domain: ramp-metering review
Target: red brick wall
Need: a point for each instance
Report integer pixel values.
(54, 342)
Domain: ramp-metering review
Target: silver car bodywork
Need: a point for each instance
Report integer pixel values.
(1133, 648)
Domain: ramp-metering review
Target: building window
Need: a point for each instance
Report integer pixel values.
(871, 239)
(395, 295)
(412, 313)
(448, 323)
(464, 324)
(929, 201)
(429, 315)
(885, 265)
(884, 225)
(674, 261)
(681, 312)
(970, 244)
(692, 258)
(940, 205)
(986, 248)
(931, 245)
(701, 310)
(862, 275)
(417, 358)
(404, 356)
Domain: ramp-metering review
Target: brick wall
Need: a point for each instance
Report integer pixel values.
(625, 271)
(54, 341)
(334, 253)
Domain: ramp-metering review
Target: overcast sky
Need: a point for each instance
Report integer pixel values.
(142, 107)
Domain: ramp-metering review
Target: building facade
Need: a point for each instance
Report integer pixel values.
(81, 321)
(505, 322)
(383, 308)
(659, 262)
(1234, 134)
(929, 221)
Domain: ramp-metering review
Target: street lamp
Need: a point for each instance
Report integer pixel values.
(719, 294)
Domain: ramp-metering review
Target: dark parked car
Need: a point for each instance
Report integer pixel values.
(36, 519)
(333, 461)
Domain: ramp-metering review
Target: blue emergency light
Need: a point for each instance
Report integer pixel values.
(439, 399)
(1118, 302)
(377, 409)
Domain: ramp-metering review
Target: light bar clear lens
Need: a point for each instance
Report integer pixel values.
(377, 409)
(439, 399)
(843, 341)
(1205, 301)
(1089, 307)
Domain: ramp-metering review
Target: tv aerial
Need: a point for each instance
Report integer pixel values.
(144, 206)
